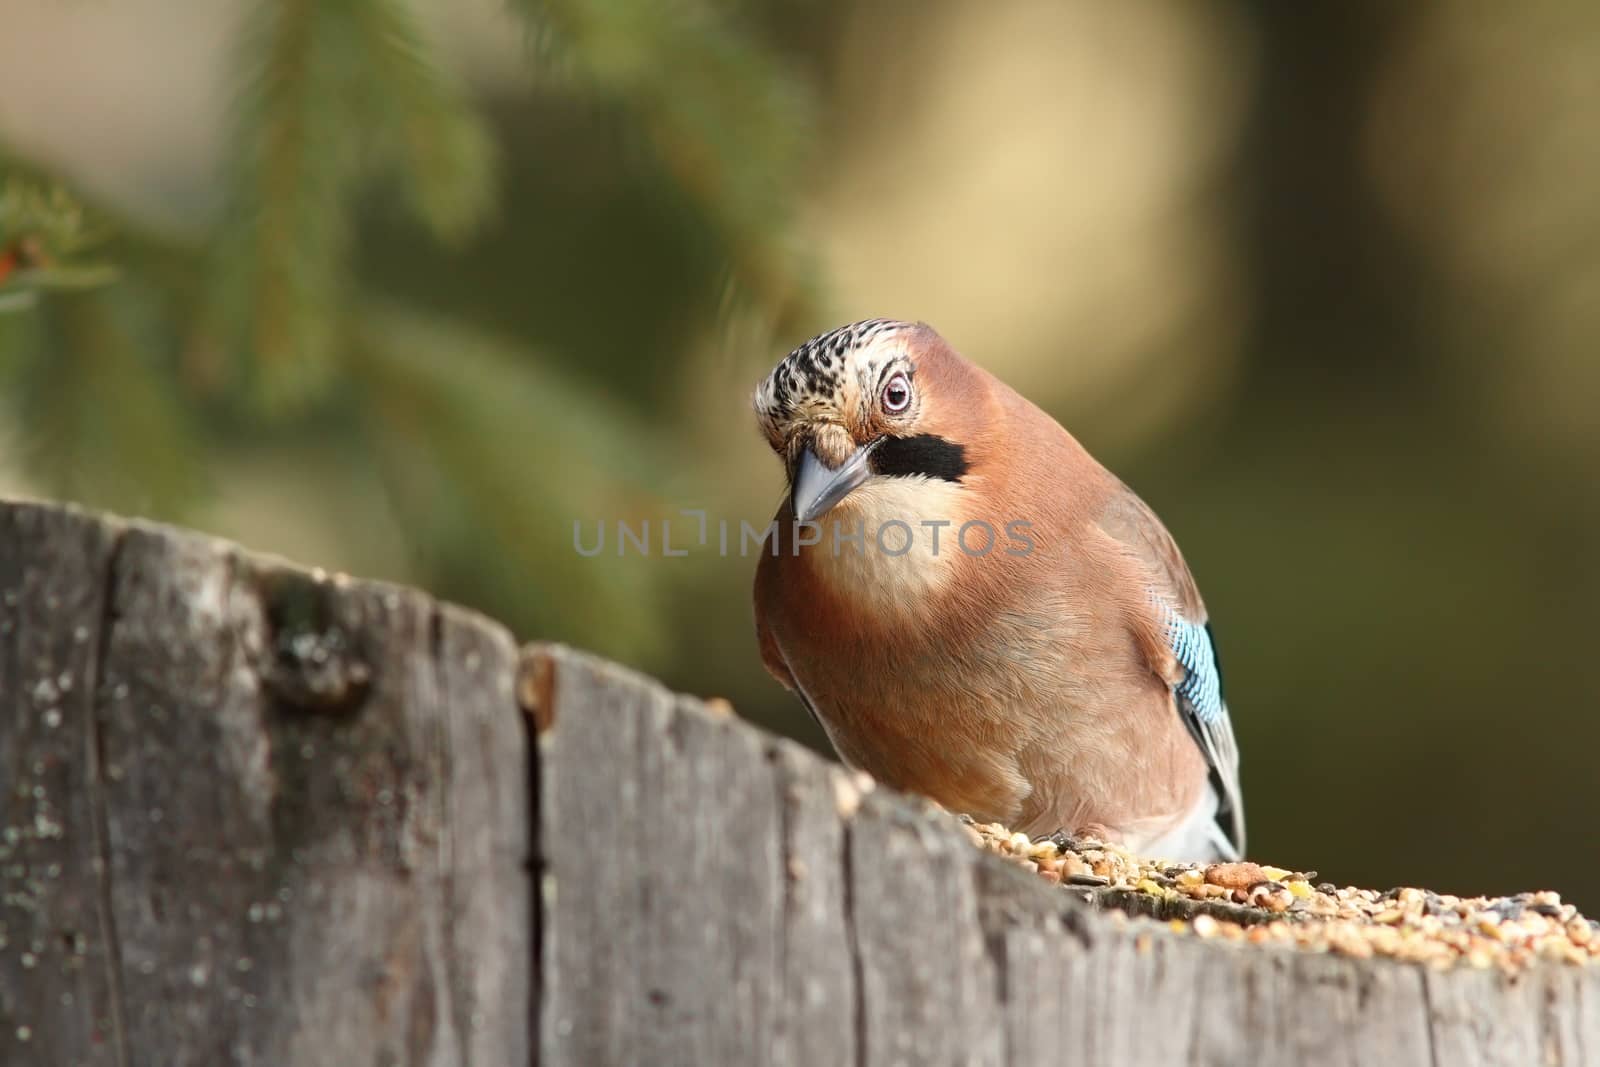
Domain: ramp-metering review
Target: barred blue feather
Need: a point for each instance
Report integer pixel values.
(1202, 683)
(1199, 701)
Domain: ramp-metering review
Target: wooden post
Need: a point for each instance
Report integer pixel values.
(253, 815)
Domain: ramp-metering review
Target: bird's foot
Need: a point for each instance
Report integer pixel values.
(1063, 841)
(1089, 835)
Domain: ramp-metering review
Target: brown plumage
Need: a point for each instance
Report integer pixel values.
(1034, 686)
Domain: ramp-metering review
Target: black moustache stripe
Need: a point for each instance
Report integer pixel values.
(925, 454)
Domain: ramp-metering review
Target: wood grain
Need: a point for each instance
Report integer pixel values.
(265, 816)
(257, 815)
(895, 942)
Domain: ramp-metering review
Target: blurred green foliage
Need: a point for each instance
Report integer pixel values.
(339, 96)
(267, 327)
(44, 238)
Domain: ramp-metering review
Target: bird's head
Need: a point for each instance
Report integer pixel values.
(874, 399)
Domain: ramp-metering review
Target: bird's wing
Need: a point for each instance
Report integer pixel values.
(778, 667)
(1182, 649)
(771, 655)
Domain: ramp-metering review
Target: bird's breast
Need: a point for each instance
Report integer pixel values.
(1003, 686)
(891, 548)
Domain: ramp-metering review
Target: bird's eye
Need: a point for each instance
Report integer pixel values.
(896, 394)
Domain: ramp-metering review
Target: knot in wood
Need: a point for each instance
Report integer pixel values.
(314, 661)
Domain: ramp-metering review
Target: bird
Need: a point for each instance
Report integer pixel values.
(974, 609)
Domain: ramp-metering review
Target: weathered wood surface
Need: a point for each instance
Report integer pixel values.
(713, 895)
(255, 816)
(251, 816)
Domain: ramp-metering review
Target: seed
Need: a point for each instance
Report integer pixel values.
(1072, 865)
(1235, 875)
(1272, 896)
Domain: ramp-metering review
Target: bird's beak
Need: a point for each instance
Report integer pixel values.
(816, 488)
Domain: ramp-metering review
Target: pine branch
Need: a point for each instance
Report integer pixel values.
(446, 160)
(281, 255)
(339, 92)
(45, 235)
(727, 119)
(489, 457)
(99, 415)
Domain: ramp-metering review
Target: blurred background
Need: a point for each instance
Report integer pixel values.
(404, 290)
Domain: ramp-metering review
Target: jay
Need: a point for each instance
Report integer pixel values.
(976, 610)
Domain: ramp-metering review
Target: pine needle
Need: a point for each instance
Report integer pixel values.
(444, 156)
(99, 416)
(45, 238)
(490, 455)
(338, 93)
(723, 113)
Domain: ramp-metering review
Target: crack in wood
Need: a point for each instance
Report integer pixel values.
(535, 866)
(853, 941)
(95, 761)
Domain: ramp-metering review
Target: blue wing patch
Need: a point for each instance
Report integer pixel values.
(1202, 681)
(1202, 684)
(1199, 700)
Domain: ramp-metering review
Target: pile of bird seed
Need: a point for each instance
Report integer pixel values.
(1274, 906)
